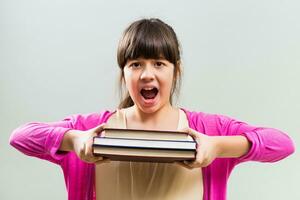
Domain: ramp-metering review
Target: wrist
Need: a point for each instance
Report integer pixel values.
(69, 141)
(218, 146)
(231, 146)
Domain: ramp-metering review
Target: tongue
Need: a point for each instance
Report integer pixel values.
(149, 94)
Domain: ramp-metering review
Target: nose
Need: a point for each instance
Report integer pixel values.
(147, 73)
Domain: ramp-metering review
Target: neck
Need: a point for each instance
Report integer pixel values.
(152, 118)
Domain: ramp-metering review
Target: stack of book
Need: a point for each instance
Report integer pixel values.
(144, 145)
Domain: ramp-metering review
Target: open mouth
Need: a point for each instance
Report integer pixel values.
(149, 93)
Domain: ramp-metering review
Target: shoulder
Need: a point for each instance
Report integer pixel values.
(198, 116)
(206, 122)
(89, 120)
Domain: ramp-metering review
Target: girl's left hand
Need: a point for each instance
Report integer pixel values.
(206, 150)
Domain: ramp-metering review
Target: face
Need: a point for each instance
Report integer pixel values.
(149, 82)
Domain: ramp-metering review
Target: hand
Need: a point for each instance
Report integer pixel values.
(206, 150)
(82, 145)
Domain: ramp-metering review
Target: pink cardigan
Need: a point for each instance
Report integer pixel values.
(43, 140)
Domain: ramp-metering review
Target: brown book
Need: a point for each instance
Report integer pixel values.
(145, 145)
(146, 134)
(144, 155)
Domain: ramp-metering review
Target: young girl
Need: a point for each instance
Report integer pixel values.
(150, 66)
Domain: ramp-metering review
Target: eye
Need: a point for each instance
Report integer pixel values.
(159, 64)
(135, 65)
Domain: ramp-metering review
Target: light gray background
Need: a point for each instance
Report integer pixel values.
(241, 59)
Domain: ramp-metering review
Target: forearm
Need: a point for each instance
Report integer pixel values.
(231, 146)
(37, 138)
(67, 143)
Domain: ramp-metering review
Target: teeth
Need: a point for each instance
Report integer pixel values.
(148, 88)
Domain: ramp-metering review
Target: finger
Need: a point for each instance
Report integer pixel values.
(193, 164)
(84, 155)
(189, 163)
(205, 163)
(98, 129)
(86, 148)
(182, 164)
(94, 159)
(199, 157)
(89, 149)
(185, 129)
(102, 160)
(192, 133)
(81, 154)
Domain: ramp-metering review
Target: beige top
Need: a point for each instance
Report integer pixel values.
(118, 180)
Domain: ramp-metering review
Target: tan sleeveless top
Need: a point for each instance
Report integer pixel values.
(119, 180)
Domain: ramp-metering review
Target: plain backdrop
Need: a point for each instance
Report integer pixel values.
(240, 59)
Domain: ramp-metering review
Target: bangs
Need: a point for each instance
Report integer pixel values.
(148, 40)
(148, 44)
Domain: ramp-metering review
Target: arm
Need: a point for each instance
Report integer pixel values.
(228, 138)
(231, 146)
(51, 141)
(67, 143)
(41, 140)
(267, 144)
(211, 147)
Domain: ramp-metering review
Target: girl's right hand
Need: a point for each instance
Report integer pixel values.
(83, 145)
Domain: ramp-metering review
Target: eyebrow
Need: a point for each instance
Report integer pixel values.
(161, 58)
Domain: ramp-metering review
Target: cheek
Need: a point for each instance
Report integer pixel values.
(127, 75)
(169, 81)
(130, 81)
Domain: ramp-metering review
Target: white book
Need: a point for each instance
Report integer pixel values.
(144, 143)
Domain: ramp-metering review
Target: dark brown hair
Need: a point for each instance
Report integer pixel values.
(148, 38)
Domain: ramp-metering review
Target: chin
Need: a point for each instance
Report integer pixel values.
(149, 110)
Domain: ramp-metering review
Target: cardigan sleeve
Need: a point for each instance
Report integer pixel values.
(267, 144)
(42, 140)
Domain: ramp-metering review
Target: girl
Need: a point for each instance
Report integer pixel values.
(149, 61)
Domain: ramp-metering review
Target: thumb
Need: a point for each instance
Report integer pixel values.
(98, 129)
(190, 132)
(187, 131)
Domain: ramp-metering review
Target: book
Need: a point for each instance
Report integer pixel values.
(144, 155)
(144, 145)
(146, 134)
